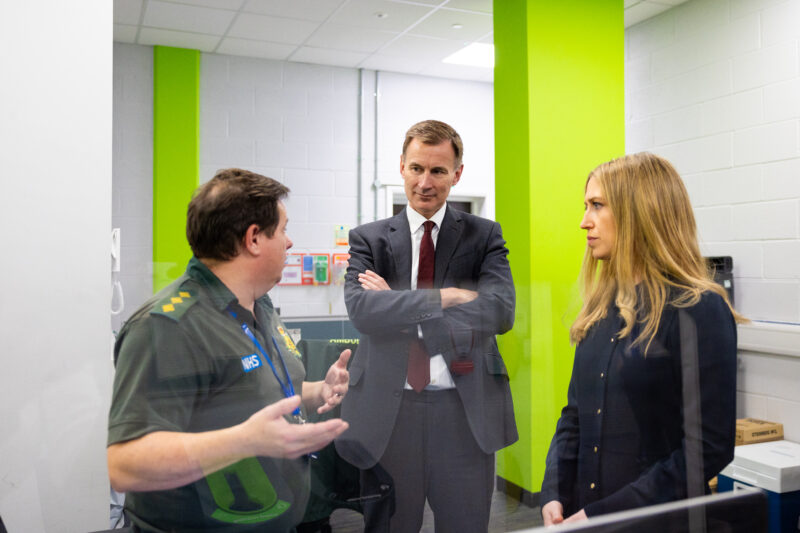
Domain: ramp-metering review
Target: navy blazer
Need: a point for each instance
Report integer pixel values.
(619, 443)
(470, 254)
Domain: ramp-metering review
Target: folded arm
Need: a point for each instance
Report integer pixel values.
(485, 305)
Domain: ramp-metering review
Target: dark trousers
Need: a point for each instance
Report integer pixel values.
(431, 455)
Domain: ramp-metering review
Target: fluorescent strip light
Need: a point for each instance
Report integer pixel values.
(474, 55)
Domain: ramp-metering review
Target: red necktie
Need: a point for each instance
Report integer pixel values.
(419, 363)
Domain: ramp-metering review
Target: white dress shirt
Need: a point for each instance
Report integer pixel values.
(440, 374)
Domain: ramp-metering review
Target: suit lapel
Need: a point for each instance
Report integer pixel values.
(446, 244)
(400, 249)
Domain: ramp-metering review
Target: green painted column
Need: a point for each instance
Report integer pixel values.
(559, 112)
(176, 133)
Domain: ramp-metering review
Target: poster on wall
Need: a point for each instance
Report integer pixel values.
(306, 269)
(292, 270)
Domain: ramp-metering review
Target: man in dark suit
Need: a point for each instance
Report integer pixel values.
(429, 401)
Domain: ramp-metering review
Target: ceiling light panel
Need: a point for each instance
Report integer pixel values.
(474, 55)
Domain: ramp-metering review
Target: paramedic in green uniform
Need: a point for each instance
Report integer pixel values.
(206, 428)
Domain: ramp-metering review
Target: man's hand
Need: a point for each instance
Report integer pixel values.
(553, 513)
(165, 460)
(336, 383)
(370, 281)
(453, 296)
(268, 433)
(580, 516)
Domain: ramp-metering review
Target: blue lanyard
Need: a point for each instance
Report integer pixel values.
(288, 387)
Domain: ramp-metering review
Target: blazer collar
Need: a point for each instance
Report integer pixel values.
(446, 243)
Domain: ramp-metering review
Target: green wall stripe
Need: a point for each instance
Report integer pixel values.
(559, 112)
(176, 134)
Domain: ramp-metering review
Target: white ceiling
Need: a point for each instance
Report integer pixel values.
(411, 36)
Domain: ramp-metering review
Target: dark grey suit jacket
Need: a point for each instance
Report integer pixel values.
(470, 254)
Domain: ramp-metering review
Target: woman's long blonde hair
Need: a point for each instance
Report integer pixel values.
(656, 247)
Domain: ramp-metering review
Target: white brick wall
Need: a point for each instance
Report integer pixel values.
(132, 173)
(297, 123)
(714, 85)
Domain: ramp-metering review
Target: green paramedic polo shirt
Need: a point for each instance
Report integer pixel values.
(184, 364)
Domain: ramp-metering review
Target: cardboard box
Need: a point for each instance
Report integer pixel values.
(752, 430)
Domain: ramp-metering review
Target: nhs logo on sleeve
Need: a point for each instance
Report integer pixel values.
(251, 362)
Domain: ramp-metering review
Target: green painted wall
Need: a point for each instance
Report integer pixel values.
(559, 112)
(176, 133)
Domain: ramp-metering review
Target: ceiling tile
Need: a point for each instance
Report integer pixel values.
(124, 33)
(186, 18)
(481, 6)
(231, 5)
(362, 14)
(425, 48)
(643, 11)
(489, 39)
(462, 72)
(418, 2)
(407, 64)
(250, 48)
(631, 3)
(322, 56)
(127, 11)
(316, 10)
(672, 2)
(179, 39)
(440, 24)
(344, 38)
(272, 29)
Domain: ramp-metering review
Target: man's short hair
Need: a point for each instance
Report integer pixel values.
(222, 209)
(435, 132)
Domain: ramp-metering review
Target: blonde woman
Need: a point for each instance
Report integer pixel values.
(620, 441)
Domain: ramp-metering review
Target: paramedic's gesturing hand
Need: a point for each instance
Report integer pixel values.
(268, 433)
(336, 383)
(164, 460)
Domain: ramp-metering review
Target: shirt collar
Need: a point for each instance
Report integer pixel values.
(219, 293)
(415, 220)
